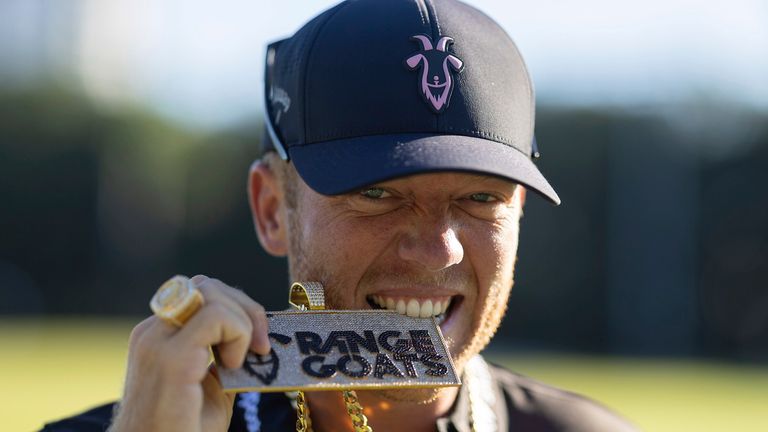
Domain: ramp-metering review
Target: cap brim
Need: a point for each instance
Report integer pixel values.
(340, 166)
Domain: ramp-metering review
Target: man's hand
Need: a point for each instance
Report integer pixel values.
(168, 385)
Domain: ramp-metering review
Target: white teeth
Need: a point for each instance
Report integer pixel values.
(426, 309)
(413, 308)
(400, 307)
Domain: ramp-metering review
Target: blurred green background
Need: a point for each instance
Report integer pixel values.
(126, 133)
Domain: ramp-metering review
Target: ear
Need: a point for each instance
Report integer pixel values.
(267, 202)
(522, 191)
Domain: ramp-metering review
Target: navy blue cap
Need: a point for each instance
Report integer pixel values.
(371, 90)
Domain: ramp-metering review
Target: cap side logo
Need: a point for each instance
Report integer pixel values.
(280, 101)
(437, 66)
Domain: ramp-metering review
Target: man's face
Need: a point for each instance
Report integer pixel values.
(440, 244)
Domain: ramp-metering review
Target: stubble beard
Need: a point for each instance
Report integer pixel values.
(300, 268)
(489, 322)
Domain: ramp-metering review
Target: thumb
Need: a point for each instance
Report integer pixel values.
(217, 405)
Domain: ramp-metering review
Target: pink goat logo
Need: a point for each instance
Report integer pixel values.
(436, 62)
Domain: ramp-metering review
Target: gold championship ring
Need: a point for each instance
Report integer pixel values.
(176, 301)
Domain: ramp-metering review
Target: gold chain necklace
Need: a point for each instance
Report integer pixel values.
(477, 378)
(354, 409)
(482, 418)
(310, 296)
(303, 422)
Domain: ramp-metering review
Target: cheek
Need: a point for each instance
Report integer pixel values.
(505, 242)
(494, 252)
(351, 244)
(364, 240)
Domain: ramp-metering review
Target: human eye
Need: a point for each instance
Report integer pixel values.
(488, 206)
(375, 193)
(374, 200)
(483, 197)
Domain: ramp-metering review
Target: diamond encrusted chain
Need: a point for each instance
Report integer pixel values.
(482, 398)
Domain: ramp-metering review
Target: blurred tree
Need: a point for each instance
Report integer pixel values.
(660, 246)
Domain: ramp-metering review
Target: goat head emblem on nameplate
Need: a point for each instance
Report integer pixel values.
(318, 349)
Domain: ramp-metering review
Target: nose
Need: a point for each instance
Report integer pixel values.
(433, 248)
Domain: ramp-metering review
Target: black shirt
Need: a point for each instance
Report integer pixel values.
(519, 404)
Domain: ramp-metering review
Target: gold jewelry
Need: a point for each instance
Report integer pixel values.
(176, 301)
(303, 421)
(307, 296)
(477, 378)
(310, 296)
(355, 411)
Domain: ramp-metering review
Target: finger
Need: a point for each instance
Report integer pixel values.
(259, 337)
(214, 372)
(140, 330)
(216, 397)
(149, 333)
(218, 324)
(212, 385)
(215, 289)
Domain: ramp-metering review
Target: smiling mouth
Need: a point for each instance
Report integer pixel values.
(438, 307)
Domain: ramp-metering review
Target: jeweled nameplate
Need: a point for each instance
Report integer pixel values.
(325, 350)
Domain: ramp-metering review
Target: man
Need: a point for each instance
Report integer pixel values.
(401, 138)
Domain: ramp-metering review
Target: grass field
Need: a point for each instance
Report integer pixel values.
(50, 369)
